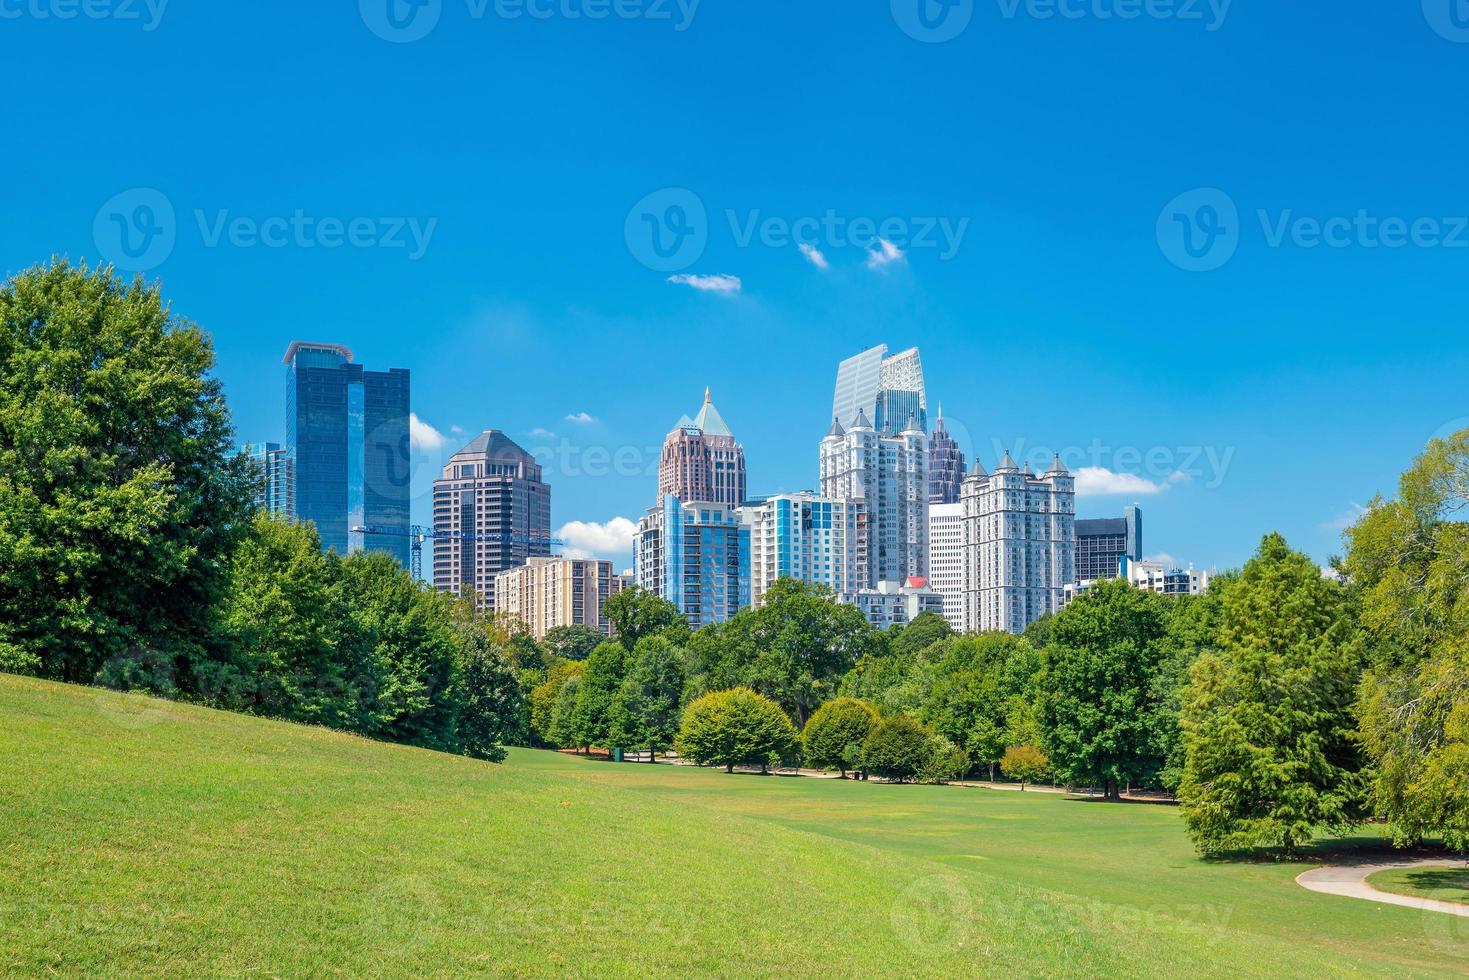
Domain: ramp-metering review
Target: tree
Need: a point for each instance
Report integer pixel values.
(600, 683)
(980, 684)
(897, 748)
(834, 730)
(492, 713)
(645, 713)
(793, 649)
(1100, 702)
(543, 699)
(1267, 722)
(1410, 558)
(926, 629)
(572, 642)
(295, 650)
(637, 612)
(735, 727)
(563, 728)
(121, 497)
(1025, 763)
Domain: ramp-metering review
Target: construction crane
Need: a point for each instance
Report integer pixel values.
(416, 533)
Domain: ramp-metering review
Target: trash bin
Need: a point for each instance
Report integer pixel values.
(616, 755)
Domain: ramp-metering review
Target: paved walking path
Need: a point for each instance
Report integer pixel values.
(1350, 881)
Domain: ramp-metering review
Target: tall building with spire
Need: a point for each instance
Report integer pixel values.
(491, 489)
(1019, 544)
(889, 473)
(888, 391)
(945, 465)
(701, 460)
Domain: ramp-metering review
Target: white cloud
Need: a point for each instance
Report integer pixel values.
(884, 255)
(581, 418)
(721, 283)
(588, 539)
(813, 255)
(424, 437)
(1098, 481)
(540, 433)
(1163, 558)
(1346, 518)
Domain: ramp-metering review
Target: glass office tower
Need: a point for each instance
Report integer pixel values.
(889, 391)
(347, 431)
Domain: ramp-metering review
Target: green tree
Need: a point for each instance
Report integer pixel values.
(121, 497)
(980, 684)
(563, 728)
(1410, 558)
(835, 731)
(412, 645)
(646, 711)
(1101, 701)
(573, 642)
(492, 713)
(296, 651)
(637, 612)
(600, 684)
(926, 629)
(1025, 763)
(544, 696)
(793, 649)
(735, 727)
(897, 748)
(1267, 720)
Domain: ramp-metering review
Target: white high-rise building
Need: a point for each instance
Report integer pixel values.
(946, 558)
(1019, 544)
(545, 593)
(806, 537)
(888, 473)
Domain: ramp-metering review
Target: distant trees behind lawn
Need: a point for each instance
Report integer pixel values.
(1280, 703)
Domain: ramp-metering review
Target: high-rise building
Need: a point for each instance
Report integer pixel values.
(491, 490)
(1157, 577)
(896, 603)
(347, 431)
(1019, 544)
(809, 538)
(946, 559)
(1103, 545)
(889, 473)
(888, 391)
(696, 555)
(275, 477)
(546, 593)
(702, 461)
(945, 465)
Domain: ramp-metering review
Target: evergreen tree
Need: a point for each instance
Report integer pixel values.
(492, 713)
(596, 694)
(1267, 721)
(647, 709)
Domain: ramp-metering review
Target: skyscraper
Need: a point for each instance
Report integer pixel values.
(1019, 544)
(696, 555)
(702, 461)
(347, 431)
(946, 558)
(889, 473)
(945, 465)
(888, 391)
(546, 593)
(491, 489)
(808, 538)
(1103, 544)
(275, 478)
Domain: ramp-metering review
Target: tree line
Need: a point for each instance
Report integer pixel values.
(1281, 704)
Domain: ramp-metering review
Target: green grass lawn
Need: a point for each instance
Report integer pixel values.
(138, 836)
(1444, 884)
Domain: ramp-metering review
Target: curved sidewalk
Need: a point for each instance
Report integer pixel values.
(1350, 881)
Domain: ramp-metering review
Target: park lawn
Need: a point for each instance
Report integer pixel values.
(140, 836)
(1444, 884)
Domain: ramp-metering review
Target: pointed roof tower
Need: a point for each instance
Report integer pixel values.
(709, 421)
(978, 470)
(1007, 464)
(861, 421)
(1058, 468)
(836, 428)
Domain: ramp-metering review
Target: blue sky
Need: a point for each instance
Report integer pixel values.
(1290, 381)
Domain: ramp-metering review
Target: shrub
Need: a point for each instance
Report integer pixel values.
(735, 727)
(836, 732)
(897, 748)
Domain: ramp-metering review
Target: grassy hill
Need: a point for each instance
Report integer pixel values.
(142, 836)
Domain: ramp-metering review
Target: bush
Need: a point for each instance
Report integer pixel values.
(835, 733)
(736, 727)
(898, 748)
